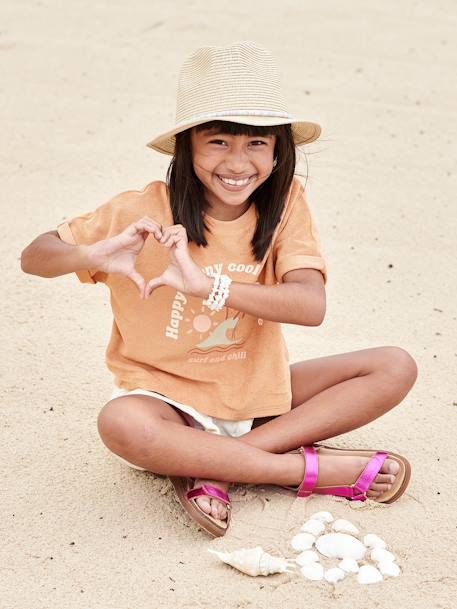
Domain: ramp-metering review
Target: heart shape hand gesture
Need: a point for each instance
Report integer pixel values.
(118, 255)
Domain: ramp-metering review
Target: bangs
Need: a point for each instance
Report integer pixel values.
(229, 128)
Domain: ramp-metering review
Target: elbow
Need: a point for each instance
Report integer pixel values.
(25, 261)
(317, 319)
(316, 316)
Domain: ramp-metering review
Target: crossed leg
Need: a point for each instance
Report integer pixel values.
(330, 396)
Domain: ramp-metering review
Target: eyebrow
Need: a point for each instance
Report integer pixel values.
(215, 131)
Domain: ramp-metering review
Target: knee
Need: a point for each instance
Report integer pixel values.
(400, 366)
(123, 428)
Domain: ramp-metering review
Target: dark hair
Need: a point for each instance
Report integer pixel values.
(186, 192)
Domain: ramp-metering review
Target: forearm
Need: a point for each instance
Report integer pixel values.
(292, 303)
(49, 256)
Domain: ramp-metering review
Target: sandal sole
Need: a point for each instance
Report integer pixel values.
(206, 522)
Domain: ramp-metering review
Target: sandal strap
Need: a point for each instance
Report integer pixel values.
(206, 490)
(311, 471)
(370, 472)
(358, 490)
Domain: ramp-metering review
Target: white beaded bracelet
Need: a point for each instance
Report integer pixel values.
(219, 293)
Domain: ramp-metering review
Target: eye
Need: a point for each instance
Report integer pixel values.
(218, 142)
(258, 143)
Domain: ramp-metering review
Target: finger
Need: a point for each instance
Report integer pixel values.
(152, 285)
(168, 234)
(148, 227)
(167, 240)
(151, 222)
(139, 281)
(173, 240)
(153, 229)
(176, 229)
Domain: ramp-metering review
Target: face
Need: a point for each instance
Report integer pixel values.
(230, 168)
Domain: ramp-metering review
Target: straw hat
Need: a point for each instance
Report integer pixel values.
(238, 83)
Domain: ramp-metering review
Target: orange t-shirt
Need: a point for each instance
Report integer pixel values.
(225, 364)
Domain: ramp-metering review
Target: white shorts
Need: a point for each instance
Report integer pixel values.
(222, 427)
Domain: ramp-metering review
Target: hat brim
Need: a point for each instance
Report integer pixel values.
(304, 132)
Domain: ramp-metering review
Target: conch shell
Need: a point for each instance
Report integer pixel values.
(254, 561)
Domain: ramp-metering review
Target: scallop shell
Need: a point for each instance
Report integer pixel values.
(307, 557)
(322, 516)
(254, 561)
(381, 555)
(344, 526)
(373, 541)
(368, 575)
(313, 571)
(334, 575)
(349, 565)
(389, 568)
(303, 541)
(340, 545)
(315, 527)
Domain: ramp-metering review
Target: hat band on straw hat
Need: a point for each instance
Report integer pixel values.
(224, 113)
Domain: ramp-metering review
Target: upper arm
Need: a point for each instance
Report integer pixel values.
(314, 282)
(311, 277)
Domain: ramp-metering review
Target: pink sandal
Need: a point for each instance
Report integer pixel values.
(356, 491)
(187, 496)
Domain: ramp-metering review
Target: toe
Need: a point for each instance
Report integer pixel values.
(205, 504)
(218, 510)
(390, 467)
(380, 488)
(384, 478)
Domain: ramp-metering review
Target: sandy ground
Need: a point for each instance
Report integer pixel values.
(84, 85)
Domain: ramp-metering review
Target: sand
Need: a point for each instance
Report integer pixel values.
(84, 86)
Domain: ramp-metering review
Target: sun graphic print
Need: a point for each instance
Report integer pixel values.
(214, 335)
(201, 323)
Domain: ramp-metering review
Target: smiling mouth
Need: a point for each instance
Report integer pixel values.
(231, 182)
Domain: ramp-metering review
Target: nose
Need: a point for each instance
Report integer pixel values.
(237, 160)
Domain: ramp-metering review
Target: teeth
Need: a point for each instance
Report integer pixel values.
(235, 182)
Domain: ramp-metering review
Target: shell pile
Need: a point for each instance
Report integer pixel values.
(367, 558)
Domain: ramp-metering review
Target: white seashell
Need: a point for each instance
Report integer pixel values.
(340, 545)
(344, 526)
(315, 527)
(381, 555)
(314, 571)
(254, 561)
(373, 541)
(303, 541)
(322, 516)
(349, 565)
(334, 575)
(368, 575)
(307, 557)
(389, 568)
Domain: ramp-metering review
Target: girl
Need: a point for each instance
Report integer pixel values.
(202, 270)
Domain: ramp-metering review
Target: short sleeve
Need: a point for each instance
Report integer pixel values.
(297, 245)
(106, 221)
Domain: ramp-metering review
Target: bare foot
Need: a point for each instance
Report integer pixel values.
(213, 507)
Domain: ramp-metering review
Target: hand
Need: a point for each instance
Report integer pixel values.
(182, 273)
(118, 254)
